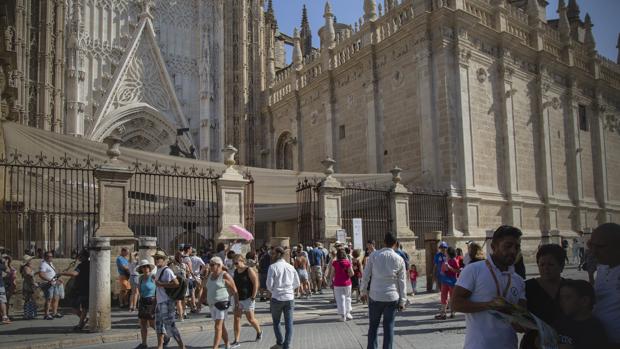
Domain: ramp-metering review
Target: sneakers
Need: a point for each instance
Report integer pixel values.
(349, 316)
(48, 317)
(58, 315)
(259, 336)
(343, 318)
(234, 345)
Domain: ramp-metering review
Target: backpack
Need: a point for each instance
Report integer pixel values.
(176, 293)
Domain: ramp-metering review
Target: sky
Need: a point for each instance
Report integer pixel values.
(604, 14)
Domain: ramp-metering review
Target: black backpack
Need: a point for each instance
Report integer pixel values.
(176, 293)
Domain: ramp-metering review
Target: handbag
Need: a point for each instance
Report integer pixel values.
(223, 305)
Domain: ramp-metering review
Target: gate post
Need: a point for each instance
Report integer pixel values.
(99, 310)
(231, 197)
(112, 179)
(147, 246)
(399, 211)
(330, 203)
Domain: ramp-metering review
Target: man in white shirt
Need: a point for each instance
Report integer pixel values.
(282, 280)
(388, 291)
(164, 314)
(604, 243)
(485, 286)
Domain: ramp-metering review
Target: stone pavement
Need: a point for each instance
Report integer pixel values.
(316, 323)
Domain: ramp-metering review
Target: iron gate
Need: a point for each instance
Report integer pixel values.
(308, 218)
(428, 211)
(372, 205)
(48, 204)
(175, 204)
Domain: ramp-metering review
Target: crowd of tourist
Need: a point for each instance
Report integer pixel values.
(583, 314)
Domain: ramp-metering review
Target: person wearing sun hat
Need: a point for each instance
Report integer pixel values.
(28, 287)
(147, 301)
(164, 312)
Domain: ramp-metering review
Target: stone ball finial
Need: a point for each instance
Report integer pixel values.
(114, 151)
(328, 164)
(396, 174)
(229, 155)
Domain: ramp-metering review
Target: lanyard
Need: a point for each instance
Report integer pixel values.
(505, 293)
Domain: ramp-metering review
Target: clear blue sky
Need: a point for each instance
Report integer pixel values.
(604, 15)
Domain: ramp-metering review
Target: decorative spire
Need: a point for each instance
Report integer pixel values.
(271, 61)
(297, 55)
(305, 33)
(564, 25)
(588, 40)
(370, 10)
(533, 9)
(573, 10)
(146, 6)
(269, 15)
(328, 32)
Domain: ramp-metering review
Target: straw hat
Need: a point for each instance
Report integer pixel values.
(216, 260)
(26, 259)
(143, 263)
(160, 254)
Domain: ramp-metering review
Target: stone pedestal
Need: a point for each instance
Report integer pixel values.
(431, 241)
(100, 301)
(554, 237)
(399, 209)
(330, 203)
(231, 197)
(147, 246)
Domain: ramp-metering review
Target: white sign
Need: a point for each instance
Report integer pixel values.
(358, 240)
(341, 235)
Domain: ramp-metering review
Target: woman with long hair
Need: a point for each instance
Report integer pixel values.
(246, 282)
(341, 271)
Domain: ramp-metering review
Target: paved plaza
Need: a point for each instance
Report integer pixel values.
(316, 325)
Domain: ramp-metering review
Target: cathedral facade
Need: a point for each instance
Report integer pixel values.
(515, 115)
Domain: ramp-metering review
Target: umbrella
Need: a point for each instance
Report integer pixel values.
(242, 232)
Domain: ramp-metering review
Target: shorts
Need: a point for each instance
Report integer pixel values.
(247, 305)
(317, 273)
(263, 280)
(303, 275)
(123, 282)
(355, 282)
(80, 301)
(164, 319)
(217, 314)
(53, 291)
(134, 281)
(2, 295)
(191, 284)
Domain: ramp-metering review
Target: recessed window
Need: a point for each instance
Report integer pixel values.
(341, 132)
(583, 118)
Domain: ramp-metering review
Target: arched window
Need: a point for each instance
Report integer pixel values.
(284, 151)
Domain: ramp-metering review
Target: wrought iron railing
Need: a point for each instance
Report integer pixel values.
(308, 218)
(371, 203)
(428, 211)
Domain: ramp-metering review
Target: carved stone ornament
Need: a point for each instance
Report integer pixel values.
(229, 155)
(113, 151)
(555, 103)
(328, 165)
(481, 74)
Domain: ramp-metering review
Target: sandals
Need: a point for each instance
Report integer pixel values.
(440, 317)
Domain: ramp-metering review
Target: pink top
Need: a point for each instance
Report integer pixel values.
(341, 275)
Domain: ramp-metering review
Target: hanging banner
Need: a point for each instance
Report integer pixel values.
(358, 240)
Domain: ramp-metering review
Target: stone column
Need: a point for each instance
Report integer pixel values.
(113, 180)
(399, 209)
(431, 239)
(100, 301)
(330, 203)
(147, 246)
(231, 197)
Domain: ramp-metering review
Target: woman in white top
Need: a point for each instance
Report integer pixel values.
(134, 281)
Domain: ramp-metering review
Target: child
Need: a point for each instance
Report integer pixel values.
(578, 328)
(413, 277)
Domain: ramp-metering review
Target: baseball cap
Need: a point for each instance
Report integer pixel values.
(443, 244)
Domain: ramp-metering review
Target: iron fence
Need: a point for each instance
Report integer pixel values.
(48, 204)
(308, 218)
(177, 205)
(372, 205)
(428, 211)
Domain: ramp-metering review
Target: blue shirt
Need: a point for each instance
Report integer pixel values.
(439, 260)
(120, 263)
(147, 286)
(315, 256)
